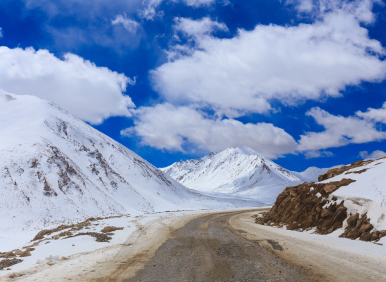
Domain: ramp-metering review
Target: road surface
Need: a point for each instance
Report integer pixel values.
(207, 249)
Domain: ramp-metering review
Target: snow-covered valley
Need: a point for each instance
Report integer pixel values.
(70, 195)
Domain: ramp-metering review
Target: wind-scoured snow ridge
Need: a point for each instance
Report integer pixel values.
(240, 171)
(56, 169)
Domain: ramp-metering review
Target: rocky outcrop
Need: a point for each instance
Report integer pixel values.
(307, 206)
(360, 227)
(312, 205)
(5, 263)
(337, 171)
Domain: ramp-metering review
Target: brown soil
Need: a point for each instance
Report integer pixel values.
(108, 229)
(336, 171)
(100, 237)
(5, 263)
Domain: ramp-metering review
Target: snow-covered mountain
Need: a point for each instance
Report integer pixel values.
(233, 170)
(55, 169)
(310, 174)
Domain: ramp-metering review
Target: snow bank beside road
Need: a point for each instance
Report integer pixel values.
(61, 261)
(328, 258)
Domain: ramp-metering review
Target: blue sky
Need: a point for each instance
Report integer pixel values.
(302, 82)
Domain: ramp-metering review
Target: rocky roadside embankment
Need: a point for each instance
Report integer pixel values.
(313, 206)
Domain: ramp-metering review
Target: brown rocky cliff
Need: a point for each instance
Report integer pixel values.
(311, 205)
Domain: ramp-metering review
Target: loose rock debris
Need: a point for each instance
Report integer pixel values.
(5, 263)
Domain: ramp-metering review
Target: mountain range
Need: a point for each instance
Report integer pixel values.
(239, 171)
(56, 169)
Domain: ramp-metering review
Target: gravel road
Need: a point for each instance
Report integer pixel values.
(207, 249)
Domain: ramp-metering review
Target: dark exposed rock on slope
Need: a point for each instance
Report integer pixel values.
(314, 205)
(302, 207)
(336, 171)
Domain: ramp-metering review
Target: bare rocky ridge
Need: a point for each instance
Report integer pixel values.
(312, 205)
(336, 171)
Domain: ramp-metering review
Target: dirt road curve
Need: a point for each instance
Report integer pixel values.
(207, 249)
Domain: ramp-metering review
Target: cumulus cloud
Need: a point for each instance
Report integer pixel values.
(198, 28)
(338, 131)
(89, 92)
(374, 155)
(171, 128)
(243, 74)
(376, 115)
(128, 24)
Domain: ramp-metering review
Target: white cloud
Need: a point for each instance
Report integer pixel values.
(128, 24)
(149, 10)
(150, 7)
(198, 3)
(376, 115)
(361, 9)
(318, 154)
(374, 155)
(89, 92)
(167, 127)
(339, 131)
(1, 32)
(241, 75)
(198, 28)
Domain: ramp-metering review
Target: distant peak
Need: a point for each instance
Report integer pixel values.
(212, 154)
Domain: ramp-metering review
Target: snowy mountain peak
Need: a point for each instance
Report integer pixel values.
(230, 171)
(56, 169)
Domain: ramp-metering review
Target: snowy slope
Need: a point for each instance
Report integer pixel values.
(367, 194)
(235, 170)
(56, 169)
(310, 174)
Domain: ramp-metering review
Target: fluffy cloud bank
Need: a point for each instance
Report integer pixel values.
(171, 128)
(375, 115)
(167, 127)
(89, 92)
(340, 131)
(243, 74)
